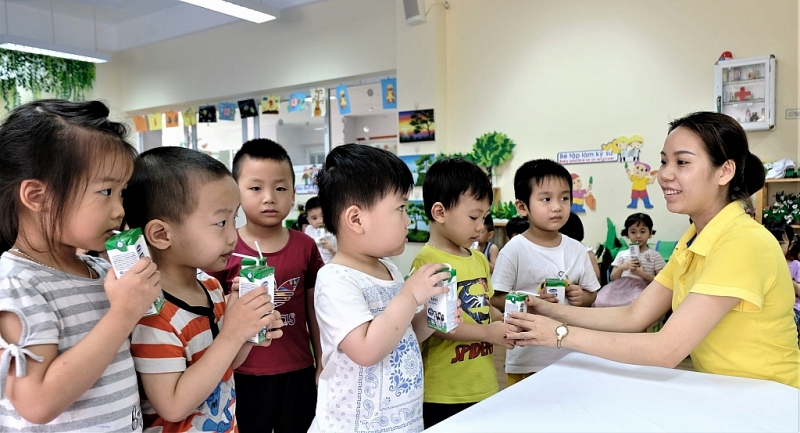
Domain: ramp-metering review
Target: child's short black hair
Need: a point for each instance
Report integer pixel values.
(778, 229)
(448, 178)
(488, 222)
(261, 148)
(360, 175)
(164, 184)
(516, 226)
(573, 227)
(302, 220)
(636, 218)
(537, 172)
(312, 203)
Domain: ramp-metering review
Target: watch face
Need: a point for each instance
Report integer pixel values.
(561, 330)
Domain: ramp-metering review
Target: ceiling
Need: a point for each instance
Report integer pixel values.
(122, 18)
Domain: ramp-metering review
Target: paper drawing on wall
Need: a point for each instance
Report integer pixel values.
(154, 121)
(270, 104)
(208, 114)
(343, 100)
(416, 126)
(247, 108)
(171, 119)
(227, 111)
(389, 87)
(419, 165)
(140, 123)
(640, 177)
(319, 102)
(580, 194)
(306, 176)
(420, 230)
(628, 148)
(297, 102)
(189, 117)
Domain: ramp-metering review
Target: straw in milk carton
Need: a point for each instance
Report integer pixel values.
(254, 273)
(124, 250)
(442, 308)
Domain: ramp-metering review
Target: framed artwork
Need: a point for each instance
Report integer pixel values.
(416, 126)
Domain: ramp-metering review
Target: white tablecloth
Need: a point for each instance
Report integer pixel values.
(585, 393)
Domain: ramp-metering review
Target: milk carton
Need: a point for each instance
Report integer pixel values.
(256, 273)
(124, 250)
(634, 252)
(442, 308)
(515, 303)
(555, 286)
(319, 235)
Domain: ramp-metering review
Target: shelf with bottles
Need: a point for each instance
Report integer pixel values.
(745, 90)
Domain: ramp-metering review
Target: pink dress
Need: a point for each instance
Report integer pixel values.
(627, 287)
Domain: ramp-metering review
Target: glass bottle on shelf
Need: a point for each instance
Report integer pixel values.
(745, 90)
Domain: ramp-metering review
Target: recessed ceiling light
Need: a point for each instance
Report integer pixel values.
(242, 9)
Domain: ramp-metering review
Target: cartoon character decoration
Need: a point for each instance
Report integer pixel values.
(343, 96)
(389, 94)
(578, 194)
(640, 177)
(342, 100)
(389, 87)
(634, 146)
(270, 104)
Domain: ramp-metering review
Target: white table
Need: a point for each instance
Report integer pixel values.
(585, 393)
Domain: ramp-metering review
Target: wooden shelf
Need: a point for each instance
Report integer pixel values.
(763, 196)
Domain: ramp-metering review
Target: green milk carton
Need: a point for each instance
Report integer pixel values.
(557, 287)
(124, 250)
(515, 303)
(442, 308)
(256, 273)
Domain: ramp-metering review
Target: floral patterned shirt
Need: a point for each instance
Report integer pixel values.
(383, 397)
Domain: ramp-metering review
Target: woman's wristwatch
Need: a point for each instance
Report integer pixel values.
(561, 332)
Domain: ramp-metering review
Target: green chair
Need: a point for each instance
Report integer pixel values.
(665, 248)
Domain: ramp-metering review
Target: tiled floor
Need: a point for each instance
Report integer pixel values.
(500, 359)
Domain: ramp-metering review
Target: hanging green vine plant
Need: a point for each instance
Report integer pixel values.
(62, 78)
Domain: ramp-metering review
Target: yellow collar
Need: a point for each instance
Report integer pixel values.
(713, 230)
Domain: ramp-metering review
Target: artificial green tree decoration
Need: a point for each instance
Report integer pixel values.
(63, 78)
(786, 209)
(504, 211)
(491, 150)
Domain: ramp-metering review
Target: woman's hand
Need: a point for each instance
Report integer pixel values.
(536, 305)
(534, 330)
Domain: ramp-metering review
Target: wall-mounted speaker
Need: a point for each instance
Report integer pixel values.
(415, 11)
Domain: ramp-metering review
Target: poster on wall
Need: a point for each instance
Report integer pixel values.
(297, 102)
(415, 126)
(171, 119)
(140, 123)
(306, 175)
(189, 118)
(389, 87)
(640, 178)
(247, 108)
(419, 165)
(419, 230)
(270, 104)
(343, 99)
(227, 111)
(582, 196)
(154, 121)
(620, 149)
(208, 114)
(319, 102)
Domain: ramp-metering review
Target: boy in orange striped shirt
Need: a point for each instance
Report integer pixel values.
(185, 202)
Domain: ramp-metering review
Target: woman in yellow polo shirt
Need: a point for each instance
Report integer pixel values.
(727, 281)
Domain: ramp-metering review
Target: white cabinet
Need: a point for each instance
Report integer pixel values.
(745, 90)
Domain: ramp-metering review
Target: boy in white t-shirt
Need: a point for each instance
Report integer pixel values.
(370, 320)
(543, 191)
(326, 241)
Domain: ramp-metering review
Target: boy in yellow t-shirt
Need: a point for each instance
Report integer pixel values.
(459, 368)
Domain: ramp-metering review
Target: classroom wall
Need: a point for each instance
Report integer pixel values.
(571, 75)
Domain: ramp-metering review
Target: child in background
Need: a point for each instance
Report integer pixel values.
(370, 319)
(630, 275)
(185, 202)
(543, 191)
(301, 224)
(516, 226)
(459, 367)
(786, 238)
(65, 319)
(485, 244)
(574, 229)
(326, 242)
(276, 385)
